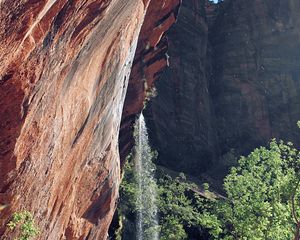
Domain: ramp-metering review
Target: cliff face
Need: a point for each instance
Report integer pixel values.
(181, 113)
(63, 77)
(256, 79)
(233, 82)
(149, 61)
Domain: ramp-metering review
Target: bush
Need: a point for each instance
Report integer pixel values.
(172, 229)
(24, 223)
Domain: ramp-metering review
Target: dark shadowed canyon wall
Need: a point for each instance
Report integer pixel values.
(64, 73)
(181, 114)
(233, 82)
(256, 79)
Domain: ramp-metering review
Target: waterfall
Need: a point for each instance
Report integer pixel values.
(146, 217)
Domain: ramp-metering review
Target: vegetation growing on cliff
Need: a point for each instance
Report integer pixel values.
(24, 224)
(179, 205)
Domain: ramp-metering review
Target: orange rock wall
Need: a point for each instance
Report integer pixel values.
(63, 77)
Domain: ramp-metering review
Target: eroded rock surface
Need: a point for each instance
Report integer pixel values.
(63, 78)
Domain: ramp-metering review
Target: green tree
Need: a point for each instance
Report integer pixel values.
(262, 199)
(262, 196)
(181, 207)
(172, 229)
(128, 189)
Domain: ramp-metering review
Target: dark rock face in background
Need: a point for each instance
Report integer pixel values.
(180, 117)
(256, 83)
(233, 82)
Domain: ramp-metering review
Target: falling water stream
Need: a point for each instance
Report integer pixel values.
(147, 219)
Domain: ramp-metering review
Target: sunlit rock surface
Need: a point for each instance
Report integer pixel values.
(63, 78)
(233, 82)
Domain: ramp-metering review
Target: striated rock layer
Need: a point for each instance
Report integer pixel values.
(232, 85)
(63, 77)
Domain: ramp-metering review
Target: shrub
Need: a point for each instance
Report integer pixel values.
(24, 223)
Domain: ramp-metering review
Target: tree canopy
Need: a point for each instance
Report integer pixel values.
(262, 199)
(261, 196)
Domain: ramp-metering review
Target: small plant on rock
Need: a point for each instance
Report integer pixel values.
(23, 222)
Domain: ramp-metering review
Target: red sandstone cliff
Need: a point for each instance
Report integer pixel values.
(63, 77)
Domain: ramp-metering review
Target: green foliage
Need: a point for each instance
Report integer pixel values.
(176, 206)
(179, 204)
(131, 204)
(230, 158)
(24, 223)
(205, 186)
(128, 189)
(172, 229)
(262, 199)
(259, 192)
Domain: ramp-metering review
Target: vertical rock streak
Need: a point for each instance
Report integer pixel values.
(63, 77)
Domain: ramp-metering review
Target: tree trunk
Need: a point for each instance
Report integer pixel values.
(297, 233)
